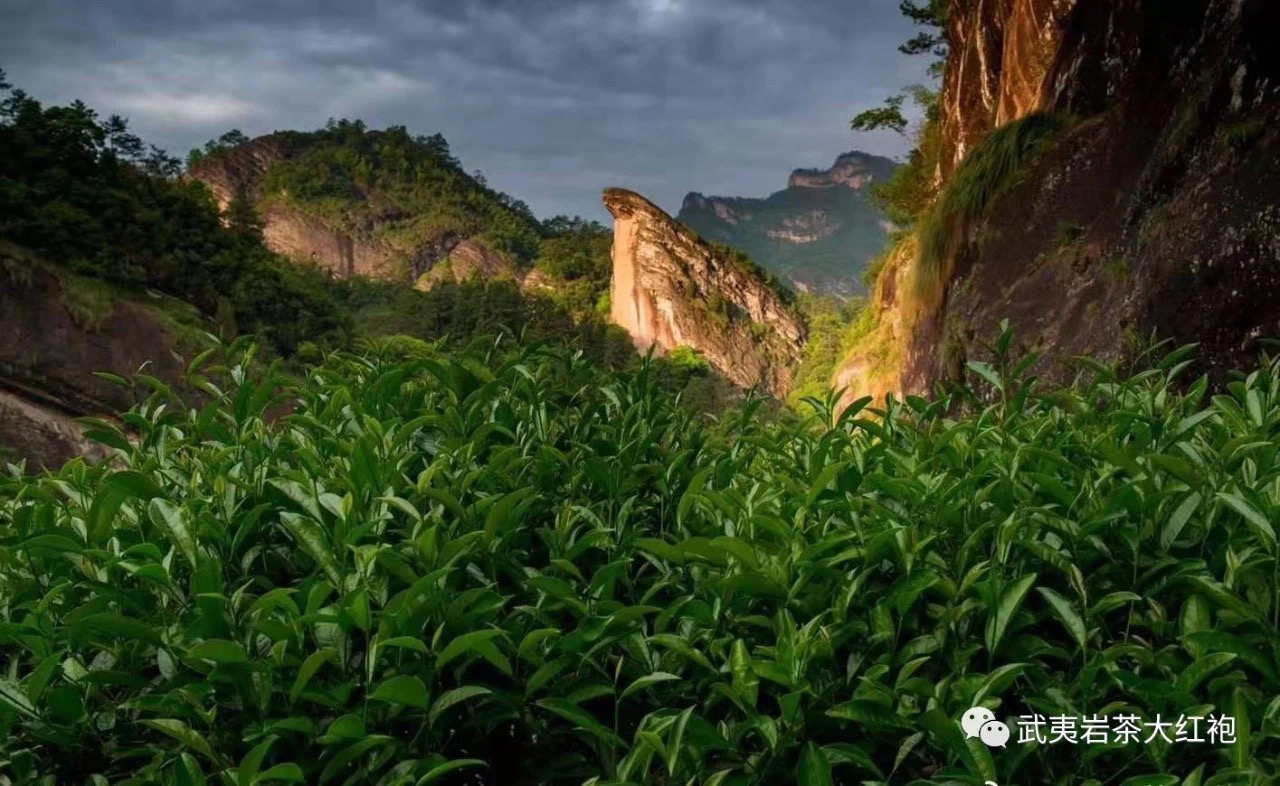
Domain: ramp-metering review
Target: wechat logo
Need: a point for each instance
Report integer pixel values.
(981, 722)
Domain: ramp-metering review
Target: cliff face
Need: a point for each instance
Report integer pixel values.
(1001, 53)
(58, 330)
(669, 288)
(1154, 209)
(853, 169)
(288, 230)
(819, 233)
(370, 245)
(469, 259)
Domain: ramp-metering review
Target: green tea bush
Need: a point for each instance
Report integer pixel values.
(508, 566)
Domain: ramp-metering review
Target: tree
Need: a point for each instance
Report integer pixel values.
(913, 186)
(233, 138)
(122, 144)
(931, 14)
(161, 164)
(437, 145)
(888, 116)
(243, 219)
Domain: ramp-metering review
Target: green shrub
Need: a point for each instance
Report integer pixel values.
(686, 358)
(87, 301)
(516, 566)
(828, 322)
(986, 172)
(1117, 270)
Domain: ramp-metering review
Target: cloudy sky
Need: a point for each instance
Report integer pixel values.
(552, 99)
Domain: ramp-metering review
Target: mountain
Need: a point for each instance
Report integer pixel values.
(819, 233)
(1110, 176)
(670, 288)
(112, 260)
(400, 209)
(376, 203)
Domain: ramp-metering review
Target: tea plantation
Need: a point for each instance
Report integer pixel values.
(507, 566)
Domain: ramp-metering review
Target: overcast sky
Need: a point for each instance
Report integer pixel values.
(552, 99)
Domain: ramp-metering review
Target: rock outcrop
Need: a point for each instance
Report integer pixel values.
(288, 230)
(58, 330)
(853, 170)
(469, 259)
(819, 233)
(670, 288)
(406, 211)
(1001, 53)
(1154, 210)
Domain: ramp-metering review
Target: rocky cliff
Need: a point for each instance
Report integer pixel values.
(379, 204)
(670, 288)
(1149, 206)
(469, 259)
(819, 233)
(1001, 52)
(291, 230)
(854, 170)
(58, 330)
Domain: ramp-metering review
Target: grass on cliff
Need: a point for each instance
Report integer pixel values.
(507, 565)
(988, 171)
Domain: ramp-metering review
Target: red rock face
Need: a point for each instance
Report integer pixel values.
(671, 289)
(1154, 211)
(470, 259)
(1002, 51)
(241, 169)
(290, 232)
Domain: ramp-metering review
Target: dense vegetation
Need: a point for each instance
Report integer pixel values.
(468, 311)
(87, 198)
(509, 564)
(833, 327)
(574, 259)
(87, 195)
(410, 191)
(913, 186)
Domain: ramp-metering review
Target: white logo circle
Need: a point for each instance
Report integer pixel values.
(994, 734)
(973, 720)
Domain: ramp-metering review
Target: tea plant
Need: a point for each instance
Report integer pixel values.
(510, 567)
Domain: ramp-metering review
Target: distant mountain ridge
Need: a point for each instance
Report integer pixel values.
(819, 233)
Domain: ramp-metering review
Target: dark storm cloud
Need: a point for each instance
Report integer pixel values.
(552, 99)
